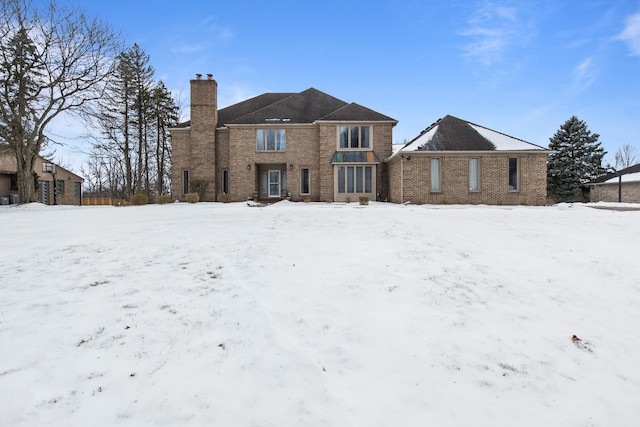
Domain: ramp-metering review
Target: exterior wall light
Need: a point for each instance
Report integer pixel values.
(249, 167)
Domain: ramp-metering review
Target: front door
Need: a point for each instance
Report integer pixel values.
(274, 183)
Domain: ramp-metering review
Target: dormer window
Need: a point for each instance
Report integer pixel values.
(354, 137)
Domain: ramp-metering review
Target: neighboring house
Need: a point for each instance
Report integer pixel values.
(68, 185)
(455, 161)
(302, 146)
(619, 186)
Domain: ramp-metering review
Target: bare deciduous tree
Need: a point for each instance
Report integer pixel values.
(626, 156)
(53, 59)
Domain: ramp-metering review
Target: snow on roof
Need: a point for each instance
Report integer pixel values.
(628, 177)
(420, 141)
(504, 142)
(453, 134)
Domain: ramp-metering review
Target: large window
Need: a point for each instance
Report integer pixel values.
(474, 174)
(304, 181)
(59, 187)
(355, 179)
(514, 173)
(436, 184)
(354, 137)
(270, 140)
(77, 187)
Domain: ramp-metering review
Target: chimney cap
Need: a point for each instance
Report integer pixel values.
(198, 76)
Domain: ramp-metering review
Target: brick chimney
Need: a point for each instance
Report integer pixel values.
(204, 119)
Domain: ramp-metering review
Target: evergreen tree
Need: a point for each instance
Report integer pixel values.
(576, 159)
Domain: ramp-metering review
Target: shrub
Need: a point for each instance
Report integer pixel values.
(347, 199)
(163, 199)
(139, 199)
(193, 197)
(225, 198)
(364, 200)
(199, 186)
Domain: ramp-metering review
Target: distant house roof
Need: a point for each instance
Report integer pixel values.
(307, 106)
(630, 174)
(8, 164)
(453, 134)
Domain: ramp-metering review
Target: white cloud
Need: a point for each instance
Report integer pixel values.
(584, 74)
(631, 34)
(493, 29)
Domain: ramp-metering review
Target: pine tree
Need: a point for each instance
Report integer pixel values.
(576, 159)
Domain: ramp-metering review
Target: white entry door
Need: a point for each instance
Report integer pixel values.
(274, 183)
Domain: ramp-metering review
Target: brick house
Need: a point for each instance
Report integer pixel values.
(455, 161)
(68, 186)
(619, 186)
(304, 146)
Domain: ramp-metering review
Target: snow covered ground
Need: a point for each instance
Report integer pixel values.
(319, 315)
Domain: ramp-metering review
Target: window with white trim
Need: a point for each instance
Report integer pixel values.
(436, 175)
(355, 179)
(474, 174)
(354, 137)
(270, 139)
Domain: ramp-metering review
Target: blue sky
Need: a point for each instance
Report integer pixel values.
(519, 67)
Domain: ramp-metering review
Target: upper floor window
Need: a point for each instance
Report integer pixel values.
(354, 137)
(270, 140)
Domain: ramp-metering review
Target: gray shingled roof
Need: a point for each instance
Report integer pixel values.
(304, 107)
(357, 113)
(453, 134)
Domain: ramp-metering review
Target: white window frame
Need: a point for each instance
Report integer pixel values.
(435, 174)
(474, 174)
(360, 132)
(279, 139)
(351, 178)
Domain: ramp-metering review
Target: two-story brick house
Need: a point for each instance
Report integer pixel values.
(306, 146)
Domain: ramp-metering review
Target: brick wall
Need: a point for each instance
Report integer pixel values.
(415, 174)
(609, 192)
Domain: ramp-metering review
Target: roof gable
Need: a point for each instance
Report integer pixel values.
(304, 107)
(357, 113)
(453, 134)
